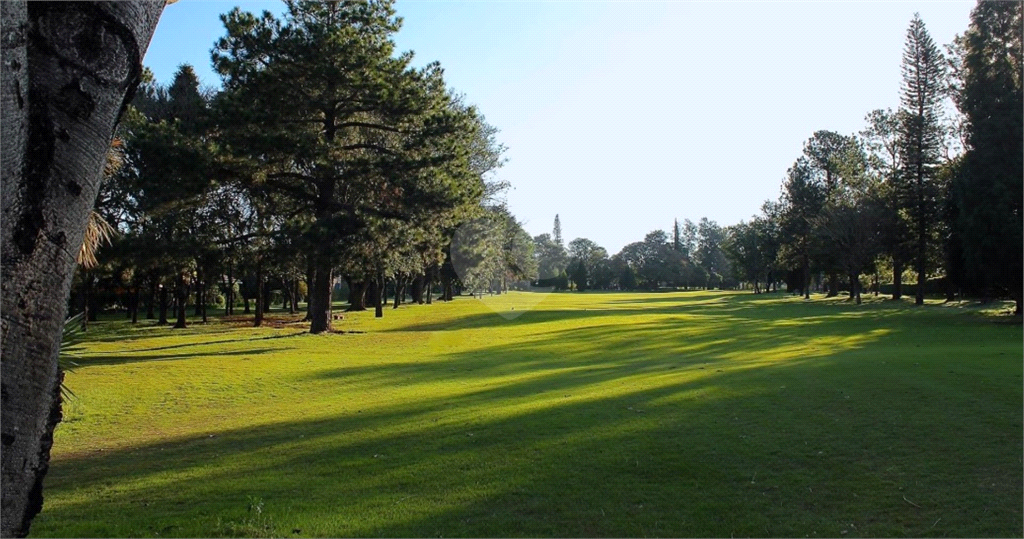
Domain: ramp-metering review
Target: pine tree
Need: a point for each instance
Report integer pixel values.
(556, 234)
(677, 241)
(921, 139)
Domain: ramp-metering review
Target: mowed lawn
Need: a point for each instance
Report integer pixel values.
(595, 414)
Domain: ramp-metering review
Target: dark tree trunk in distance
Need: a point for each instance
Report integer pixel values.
(229, 297)
(151, 302)
(181, 298)
(134, 303)
(320, 298)
(357, 291)
(897, 278)
(379, 299)
(164, 297)
(260, 299)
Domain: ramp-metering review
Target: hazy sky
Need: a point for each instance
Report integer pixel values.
(621, 116)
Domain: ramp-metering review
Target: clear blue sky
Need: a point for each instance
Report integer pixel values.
(621, 116)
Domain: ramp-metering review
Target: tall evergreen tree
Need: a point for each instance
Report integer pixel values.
(988, 187)
(921, 139)
(326, 114)
(556, 233)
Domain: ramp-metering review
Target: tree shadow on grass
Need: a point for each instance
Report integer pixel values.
(95, 360)
(758, 451)
(744, 426)
(731, 306)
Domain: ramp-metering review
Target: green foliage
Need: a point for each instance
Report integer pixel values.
(551, 256)
(922, 139)
(986, 193)
(71, 340)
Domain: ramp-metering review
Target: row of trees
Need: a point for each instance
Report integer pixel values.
(923, 188)
(308, 169)
(900, 194)
(324, 154)
(692, 256)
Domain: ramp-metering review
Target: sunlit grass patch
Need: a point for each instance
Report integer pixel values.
(675, 414)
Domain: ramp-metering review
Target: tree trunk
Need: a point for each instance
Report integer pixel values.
(164, 297)
(897, 278)
(379, 299)
(180, 298)
(320, 297)
(807, 278)
(260, 298)
(357, 295)
(833, 285)
(151, 303)
(229, 297)
(921, 279)
(416, 289)
(430, 288)
(197, 310)
(293, 307)
(67, 72)
(371, 292)
(246, 309)
(134, 303)
(399, 290)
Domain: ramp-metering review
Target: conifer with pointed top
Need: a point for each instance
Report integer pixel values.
(921, 140)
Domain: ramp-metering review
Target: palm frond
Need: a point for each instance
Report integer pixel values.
(97, 233)
(71, 337)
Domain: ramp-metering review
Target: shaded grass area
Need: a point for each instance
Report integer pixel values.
(686, 414)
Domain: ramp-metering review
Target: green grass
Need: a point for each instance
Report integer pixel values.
(674, 414)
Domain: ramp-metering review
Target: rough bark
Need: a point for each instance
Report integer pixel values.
(320, 297)
(357, 295)
(66, 72)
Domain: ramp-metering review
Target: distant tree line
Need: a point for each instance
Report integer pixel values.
(916, 189)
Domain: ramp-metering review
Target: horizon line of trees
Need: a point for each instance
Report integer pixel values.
(916, 190)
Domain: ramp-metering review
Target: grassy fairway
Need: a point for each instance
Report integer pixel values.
(685, 414)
